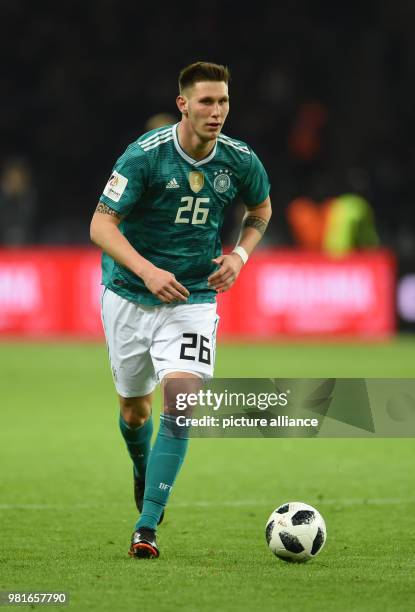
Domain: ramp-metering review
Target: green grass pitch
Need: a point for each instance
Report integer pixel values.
(67, 509)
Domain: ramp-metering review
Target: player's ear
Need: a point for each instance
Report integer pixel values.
(181, 102)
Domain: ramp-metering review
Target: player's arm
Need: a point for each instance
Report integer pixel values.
(254, 224)
(253, 228)
(105, 233)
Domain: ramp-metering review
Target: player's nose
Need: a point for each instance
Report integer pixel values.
(216, 110)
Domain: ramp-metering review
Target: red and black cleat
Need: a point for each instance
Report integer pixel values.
(144, 544)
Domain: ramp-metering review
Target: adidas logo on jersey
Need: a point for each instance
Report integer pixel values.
(173, 184)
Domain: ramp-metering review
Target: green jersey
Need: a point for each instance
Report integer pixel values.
(172, 208)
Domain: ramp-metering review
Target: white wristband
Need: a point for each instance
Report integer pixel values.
(242, 253)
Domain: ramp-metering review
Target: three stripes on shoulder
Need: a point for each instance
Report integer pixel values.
(157, 139)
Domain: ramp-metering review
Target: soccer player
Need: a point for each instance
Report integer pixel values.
(158, 222)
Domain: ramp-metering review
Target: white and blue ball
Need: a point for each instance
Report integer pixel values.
(296, 532)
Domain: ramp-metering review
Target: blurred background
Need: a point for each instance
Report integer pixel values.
(323, 92)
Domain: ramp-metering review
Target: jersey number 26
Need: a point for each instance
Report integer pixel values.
(199, 214)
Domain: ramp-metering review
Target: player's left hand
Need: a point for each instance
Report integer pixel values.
(229, 268)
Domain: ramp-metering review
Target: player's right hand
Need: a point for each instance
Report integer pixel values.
(164, 286)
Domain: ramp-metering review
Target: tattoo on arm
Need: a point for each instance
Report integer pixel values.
(257, 223)
(106, 210)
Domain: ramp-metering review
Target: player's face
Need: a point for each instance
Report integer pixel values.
(207, 106)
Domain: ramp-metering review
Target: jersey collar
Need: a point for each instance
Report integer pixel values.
(194, 162)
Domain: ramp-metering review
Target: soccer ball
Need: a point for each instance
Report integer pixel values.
(295, 532)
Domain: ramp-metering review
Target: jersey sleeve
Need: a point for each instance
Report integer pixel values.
(255, 188)
(128, 181)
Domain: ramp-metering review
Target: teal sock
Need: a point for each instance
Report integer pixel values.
(163, 467)
(138, 441)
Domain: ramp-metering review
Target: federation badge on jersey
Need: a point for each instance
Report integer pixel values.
(115, 186)
(222, 181)
(196, 181)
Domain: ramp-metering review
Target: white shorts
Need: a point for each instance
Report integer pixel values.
(147, 342)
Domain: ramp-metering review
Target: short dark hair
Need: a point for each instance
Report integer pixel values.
(202, 71)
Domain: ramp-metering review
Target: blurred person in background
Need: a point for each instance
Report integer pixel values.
(159, 120)
(17, 203)
(336, 226)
